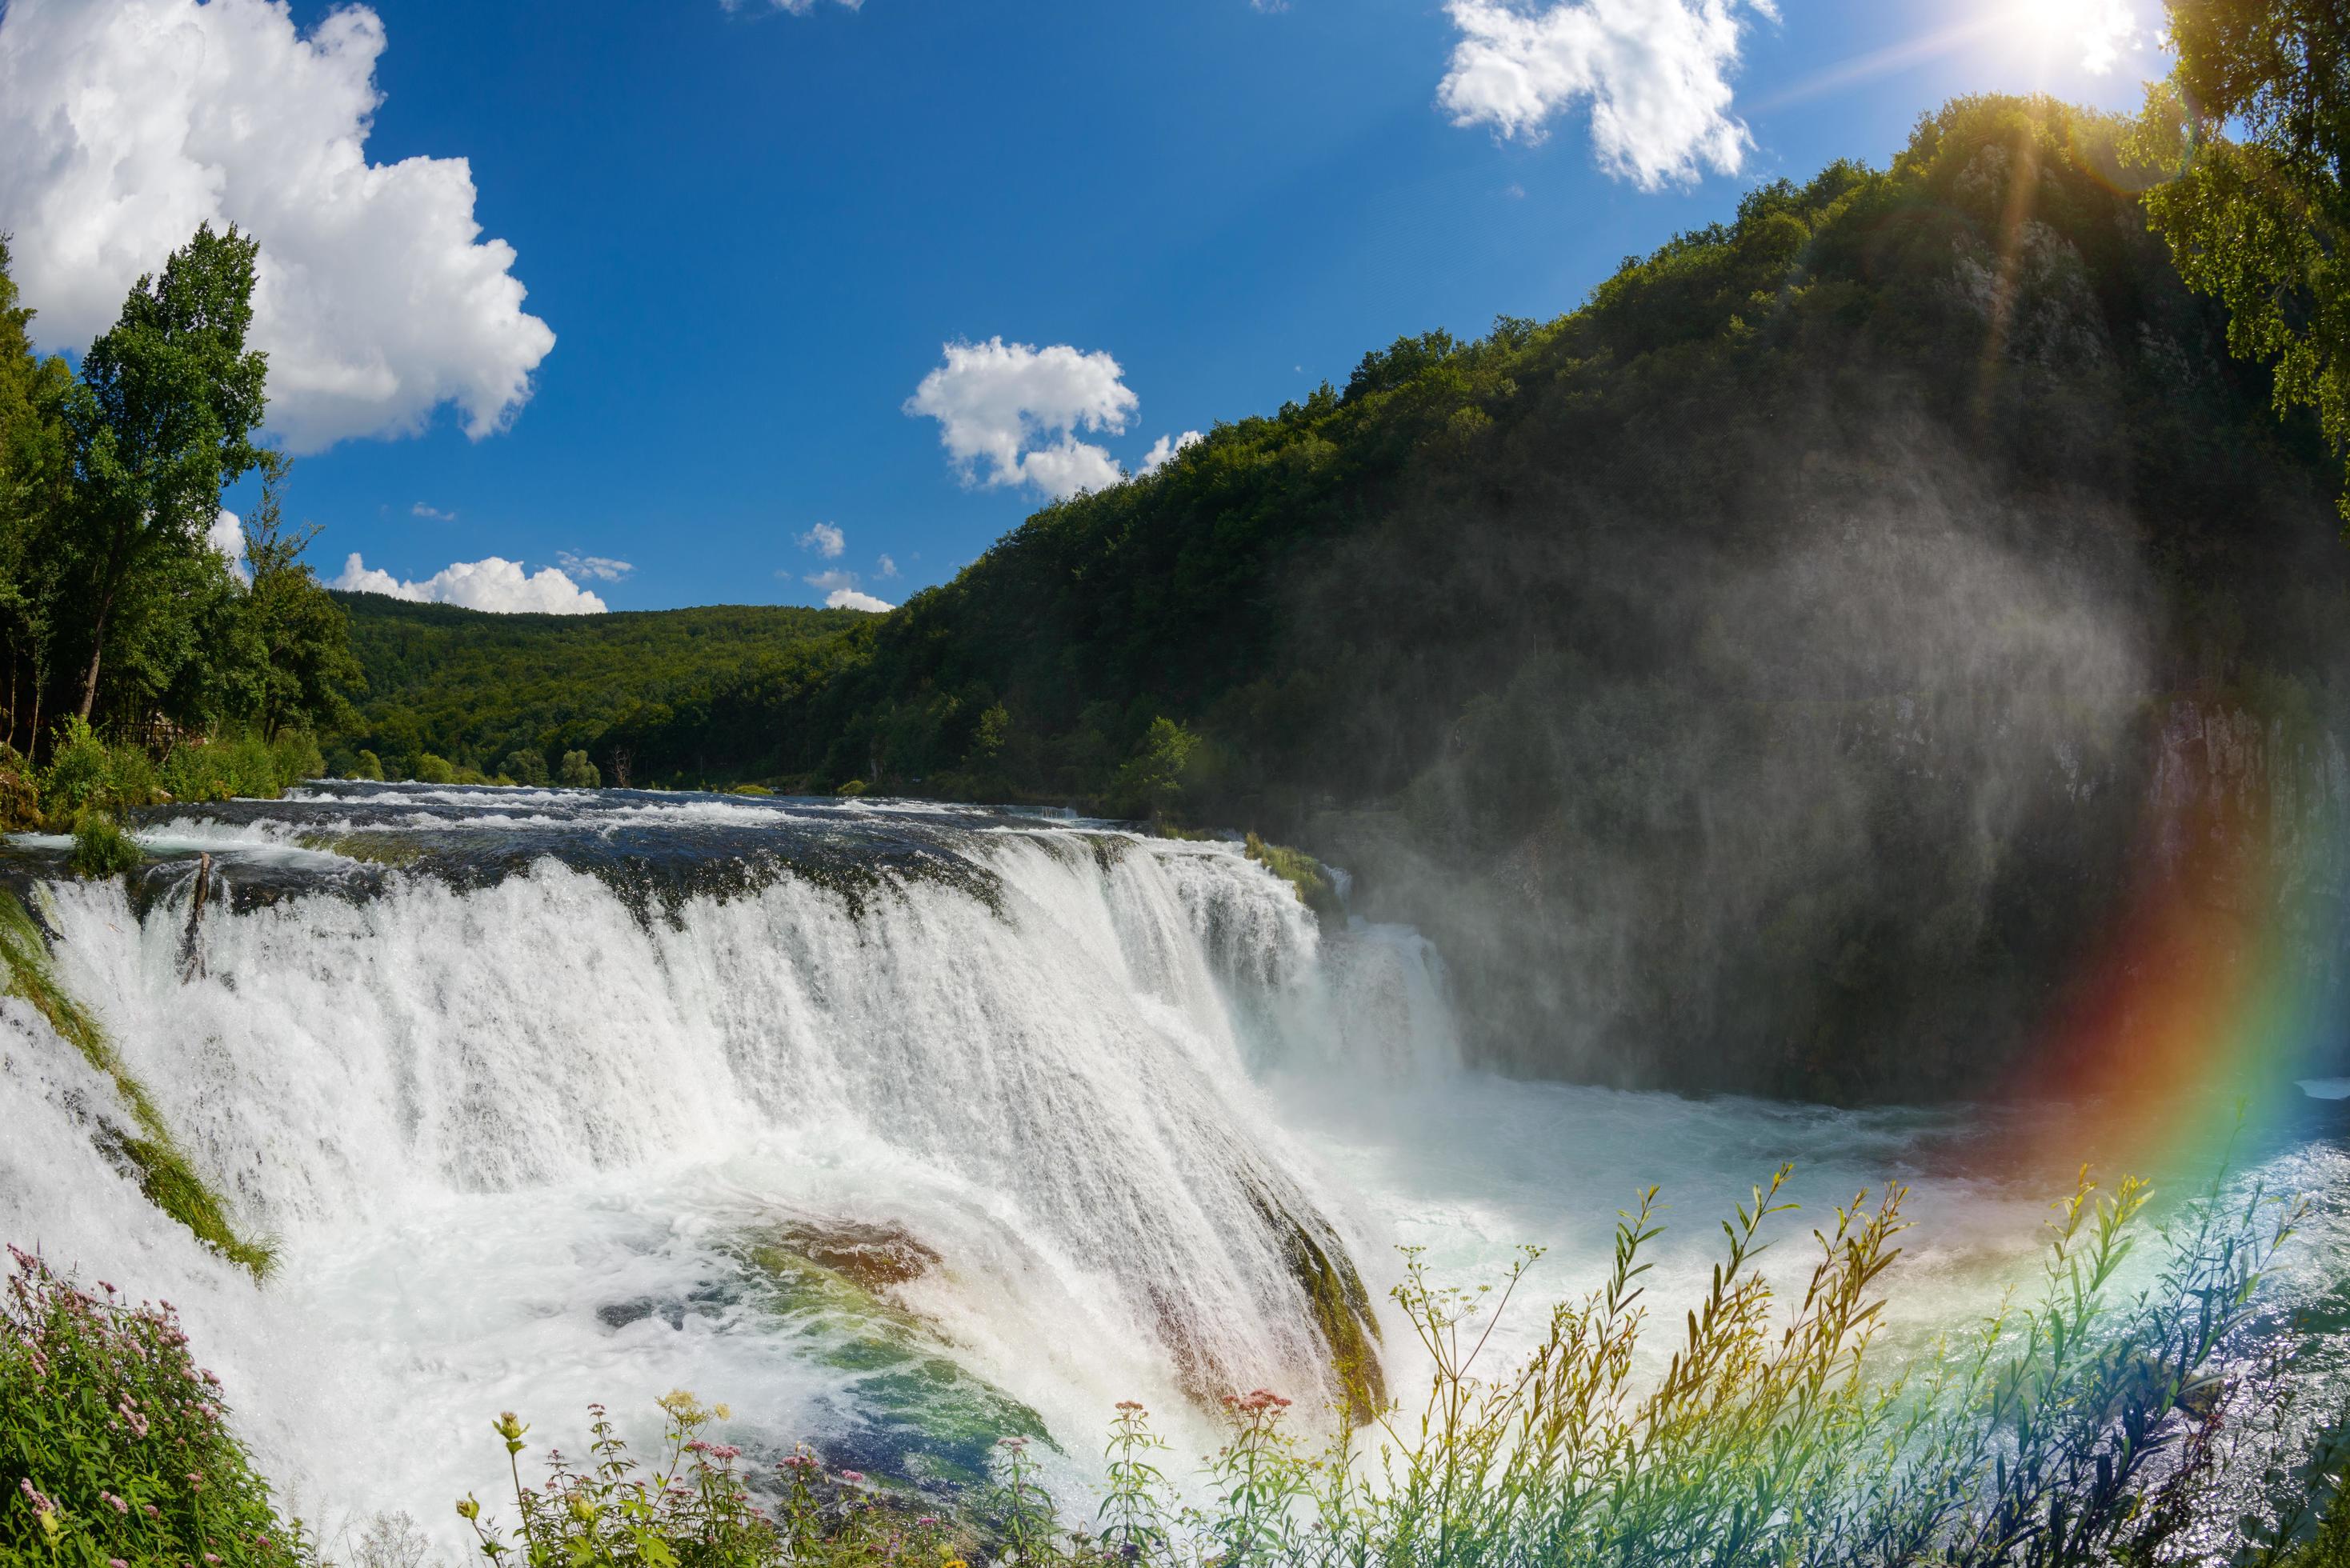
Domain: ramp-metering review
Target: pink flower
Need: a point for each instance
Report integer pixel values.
(854, 1478)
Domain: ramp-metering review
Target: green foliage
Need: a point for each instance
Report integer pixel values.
(475, 686)
(306, 672)
(81, 773)
(241, 766)
(1301, 871)
(2254, 126)
(114, 1445)
(525, 767)
(114, 606)
(101, 848)
(147, 1149)
(1151, 782)
(691, 1506)
(578, 773)
(430, 769)
(367, 767)
(20, 793)
(161, 420)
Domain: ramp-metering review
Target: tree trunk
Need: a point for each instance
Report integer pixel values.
(96, 649)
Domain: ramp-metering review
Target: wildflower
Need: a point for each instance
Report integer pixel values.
(724, 1452)
(854, 1478)
(119, 1505)
(210, 1558)
(116, 1563)
(467, 1508)
(1130, 1405)
(151, 1510)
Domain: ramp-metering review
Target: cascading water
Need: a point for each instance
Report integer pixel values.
(900, 1128)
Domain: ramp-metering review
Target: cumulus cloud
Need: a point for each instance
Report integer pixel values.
(1162, 451)
(2108, 27)
(228, 535)
(1656, 75)
(128, 124)
(491, 584)
(423, 510)
(840, 590)
(1008, 413)
(826, 540)
(603, 568)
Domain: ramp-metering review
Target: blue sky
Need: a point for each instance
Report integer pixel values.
(754, 232)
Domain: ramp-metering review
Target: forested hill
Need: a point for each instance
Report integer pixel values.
(1751, 680)
(473, 687)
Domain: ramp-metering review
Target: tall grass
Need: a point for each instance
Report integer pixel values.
(1777, 1433)
(2080, 1422)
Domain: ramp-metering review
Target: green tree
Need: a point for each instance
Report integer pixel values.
(162, 420)
(305, 638)
(524, 764)
(32, 467)
(2255, 121)
(1151, 782)
(578, 773)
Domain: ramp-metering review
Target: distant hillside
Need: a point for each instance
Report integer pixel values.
(471, 687)
(1760, 677)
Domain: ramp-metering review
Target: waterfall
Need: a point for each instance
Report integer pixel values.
(525, 1135)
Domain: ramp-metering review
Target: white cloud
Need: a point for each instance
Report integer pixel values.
(493, 582)
(889, 568)
(228, 535)
(603, 568)
(796, 7)
(422, 510)
(824, 539)
(2103, 28)
(840, 590)
(1655, 74)
(1017, 410)
(1162, 451)
(128, 123)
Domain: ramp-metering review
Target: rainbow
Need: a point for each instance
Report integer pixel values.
(2218, 1006)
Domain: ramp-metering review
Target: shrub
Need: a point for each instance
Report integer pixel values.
(527, 765)
(294, 757)
(1151, 781)
(80, 774)
(852, 789)
(227, 767)
(578, 773)
(370, 767)
(430, 769)
(20, 794)
(114, 1446)
(101, 848)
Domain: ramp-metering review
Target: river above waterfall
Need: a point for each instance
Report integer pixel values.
(898, 1127)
